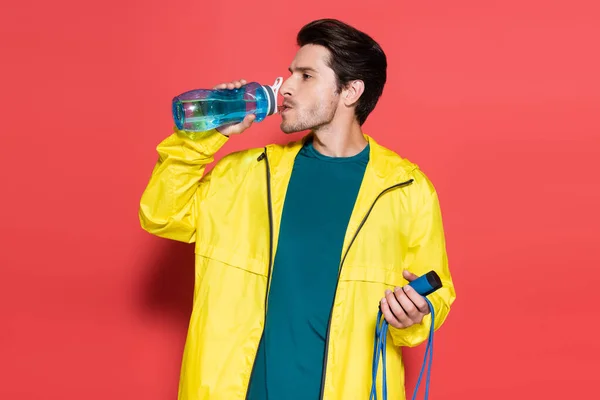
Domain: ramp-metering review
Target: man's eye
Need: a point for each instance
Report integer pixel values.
(306, 76)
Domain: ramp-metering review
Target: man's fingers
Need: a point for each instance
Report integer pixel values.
(388, 315)
(235, 129)
(409, 276)
(231, 85)
(404, 307)
(417, 299)
(407, 305)
(397, 309)
(248, 120)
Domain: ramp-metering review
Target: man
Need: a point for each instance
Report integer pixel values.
(297, 245)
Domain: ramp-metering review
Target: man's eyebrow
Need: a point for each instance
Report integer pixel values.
(302, 69)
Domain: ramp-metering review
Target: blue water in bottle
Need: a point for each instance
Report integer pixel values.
(200, 110)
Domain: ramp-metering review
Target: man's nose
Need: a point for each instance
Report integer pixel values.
(286, 88)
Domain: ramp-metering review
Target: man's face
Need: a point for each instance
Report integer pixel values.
(310, 93)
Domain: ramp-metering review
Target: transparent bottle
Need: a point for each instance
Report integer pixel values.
(201, 110)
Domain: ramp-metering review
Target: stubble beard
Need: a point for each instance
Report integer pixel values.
(312, 119)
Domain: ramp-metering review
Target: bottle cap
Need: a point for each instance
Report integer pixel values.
(272, 91)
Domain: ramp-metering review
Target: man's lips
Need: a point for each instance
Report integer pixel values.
(284, 107)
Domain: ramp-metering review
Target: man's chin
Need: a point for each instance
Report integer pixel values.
(287, 129)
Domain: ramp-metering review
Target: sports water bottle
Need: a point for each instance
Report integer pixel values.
(201, 110)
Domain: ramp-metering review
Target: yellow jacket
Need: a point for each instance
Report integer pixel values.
(233, 215)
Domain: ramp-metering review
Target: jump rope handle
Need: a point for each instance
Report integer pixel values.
(426, 284)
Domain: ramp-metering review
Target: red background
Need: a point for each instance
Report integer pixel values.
(497, 101)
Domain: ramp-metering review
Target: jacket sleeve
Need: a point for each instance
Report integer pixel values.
(168, 206)
(426, 252)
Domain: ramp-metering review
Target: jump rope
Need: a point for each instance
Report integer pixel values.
(424, 285)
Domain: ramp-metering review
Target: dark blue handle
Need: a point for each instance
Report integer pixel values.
(427, 284)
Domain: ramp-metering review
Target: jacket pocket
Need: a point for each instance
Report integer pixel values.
(388, 277)
(232, 259)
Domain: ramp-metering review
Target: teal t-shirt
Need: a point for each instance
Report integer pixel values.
(318, 204)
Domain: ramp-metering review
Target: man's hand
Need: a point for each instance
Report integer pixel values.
(235, 129)
(404, 307)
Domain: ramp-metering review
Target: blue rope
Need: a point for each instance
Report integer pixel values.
(381, 329)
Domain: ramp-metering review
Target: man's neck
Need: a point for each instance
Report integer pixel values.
(339, 141)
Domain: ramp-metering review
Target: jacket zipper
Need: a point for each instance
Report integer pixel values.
(339, 274)
(270, 208)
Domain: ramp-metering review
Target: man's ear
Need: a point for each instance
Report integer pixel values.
(352, 92)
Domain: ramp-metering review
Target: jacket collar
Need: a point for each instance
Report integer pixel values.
(385, 167)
